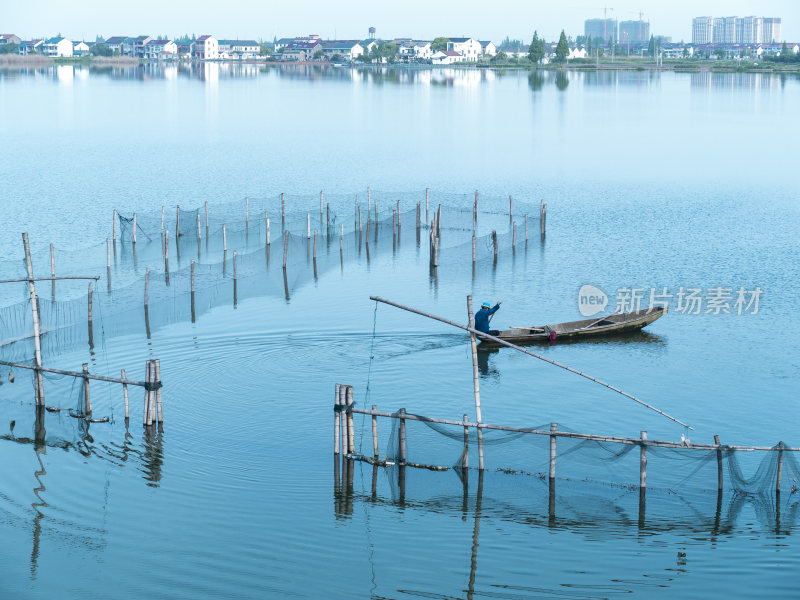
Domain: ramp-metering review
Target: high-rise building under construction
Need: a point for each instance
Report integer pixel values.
(634, 32)
(601, 29)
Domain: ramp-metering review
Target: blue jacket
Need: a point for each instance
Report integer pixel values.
(482, 318)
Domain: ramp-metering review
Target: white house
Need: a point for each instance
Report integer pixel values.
(488, 48)
(116, 43)
(447, 57)
(349, 50)
(414, 50)
(369, 44)
(577, 52)
(243, 49)
(775, 49)
(206, 47)
(80, 48)
(30, 47)
(160, 49)
(677, 52)
(469, 48)
(57, 46)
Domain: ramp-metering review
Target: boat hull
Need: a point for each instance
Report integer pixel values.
(574, 330)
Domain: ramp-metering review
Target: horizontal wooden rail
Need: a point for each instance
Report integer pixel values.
(568, 434)
(80, 375)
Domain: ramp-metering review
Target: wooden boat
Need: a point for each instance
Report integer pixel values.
(608, 325)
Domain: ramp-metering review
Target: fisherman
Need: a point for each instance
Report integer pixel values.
(483, 316)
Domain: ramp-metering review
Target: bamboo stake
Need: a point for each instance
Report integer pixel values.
(320, 205)
(780, 468)
(177, 222)
(553, 427)
(514, 236)
(475, 210)
(134, 228)
(234, 265)
(308, 226)
(494, 243)
(475, 381)
(360, 230)
(643, 461)
(427, 202)
(199, 231)
(341, 240)
(398, 214)
(86, 397)
(719, 463)
(91, 323)
(283, 208)
(503, 342)
(157, 383)
(166, 252)
(192, 284)
(147, 395)
(402, 436)
(510, 207)
(206, 218)
(418, 216)
(162, 220)
(246, 212)
(368, 201)
(374, 433)
(439, 222)
(125, 395)
(351, 435)
(53, 271)
(285, 248)
(526, 230)
(267, 219)
(473, 249)
(315, 245)
(146, 284)
(465, 457)
(336, 417)
(224, 238)
(108, 253)
(114, 226)
(328, 219)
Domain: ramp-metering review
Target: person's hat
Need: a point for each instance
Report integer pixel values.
(486, 305)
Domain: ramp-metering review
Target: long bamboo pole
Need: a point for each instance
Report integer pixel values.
(74, 374)
(475, 381)
(35, 310)
(503, 342)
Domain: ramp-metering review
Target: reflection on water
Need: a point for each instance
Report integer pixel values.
(445, 77)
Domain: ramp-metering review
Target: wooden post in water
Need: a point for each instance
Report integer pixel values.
(315, 245)
(53, 271)
(320, 207)
(91, 324)
(510, 208)
(327, 219)
(134, 228)
(206, 219)
(39, 389)
(166, 255)
(285, 248)
(359, 221)
(199, 231)
(418, 216)
(114, 227)
(192, 284)
(308, 226)
(246, 212)
(514, 237)
(465, 457)
(473, 249)
(283, 208)
(369, 197)
(267, 220)
(398, 215)
(374, 433)
(553, 428)
(87, 399)
(780, 469)
(108, 262)
(125, 396)
(543, 218)
(224, 238)
(719, 464)
(157, 383)
(475, 381)
(341, 240)
(234, 265)
(439, 222)
(427, 203)
(643, 461)
(336, 417)
(177, 222)
(146, 285)
(494, 243)
(526, 230)
(475, 210)
(351, 435)
(148, 394)
(402, 436)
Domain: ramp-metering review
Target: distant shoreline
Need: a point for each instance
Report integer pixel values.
(688, 66)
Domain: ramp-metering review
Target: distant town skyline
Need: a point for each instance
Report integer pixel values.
(351, 20)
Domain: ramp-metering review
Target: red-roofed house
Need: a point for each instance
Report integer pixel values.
(447, 57)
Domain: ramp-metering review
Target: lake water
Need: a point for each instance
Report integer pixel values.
(652, 180)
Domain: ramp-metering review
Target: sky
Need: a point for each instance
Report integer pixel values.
(350, 19)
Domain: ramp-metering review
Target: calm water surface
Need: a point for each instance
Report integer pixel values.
(651, 180)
